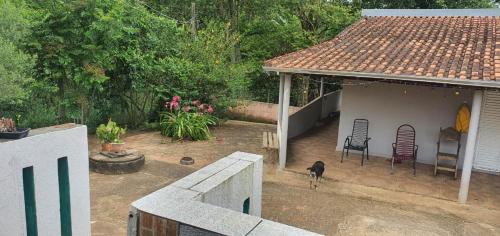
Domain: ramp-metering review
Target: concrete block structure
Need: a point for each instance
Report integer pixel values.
(223, 198)
(44, 182)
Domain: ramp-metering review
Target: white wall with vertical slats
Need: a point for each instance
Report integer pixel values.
(41, 150)
(487, 156)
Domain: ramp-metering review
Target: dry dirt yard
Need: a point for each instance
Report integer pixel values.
(335, 208)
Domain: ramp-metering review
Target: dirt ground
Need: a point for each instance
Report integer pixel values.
(335, 208)
(339, 208)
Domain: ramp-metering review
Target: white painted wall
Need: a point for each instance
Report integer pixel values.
(387, 107)
(306, 117)
(42, 151)
(331, 103)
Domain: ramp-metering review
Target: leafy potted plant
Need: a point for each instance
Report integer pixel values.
(8, 129)
(109, 135)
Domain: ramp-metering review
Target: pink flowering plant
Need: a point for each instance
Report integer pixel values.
(188, 120)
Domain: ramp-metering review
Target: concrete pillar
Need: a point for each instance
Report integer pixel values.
(284, 120)
(280, 106)
(470, 146)
(321, 88)
(133, 219)
(321, 95)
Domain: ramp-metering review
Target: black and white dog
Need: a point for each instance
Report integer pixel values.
(316, 173)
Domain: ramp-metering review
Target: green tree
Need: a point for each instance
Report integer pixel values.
(15, 65)
(136, 50)
(104, 57)
(62, 59)
(14, 73)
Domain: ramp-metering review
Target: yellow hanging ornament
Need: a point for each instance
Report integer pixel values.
(463, 119)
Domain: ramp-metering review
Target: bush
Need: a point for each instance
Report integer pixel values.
(187, 123)
(36, 114)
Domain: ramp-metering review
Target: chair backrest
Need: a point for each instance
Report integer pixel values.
(405, 140)
(449, 134)
(359, 132)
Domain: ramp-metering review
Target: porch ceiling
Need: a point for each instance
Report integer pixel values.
(461, 50)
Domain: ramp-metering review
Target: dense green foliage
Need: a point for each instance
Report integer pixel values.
(15, 65)
(88, 60)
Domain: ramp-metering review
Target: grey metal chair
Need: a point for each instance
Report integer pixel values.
(358, 140)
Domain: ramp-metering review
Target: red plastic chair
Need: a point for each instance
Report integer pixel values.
(404, 148)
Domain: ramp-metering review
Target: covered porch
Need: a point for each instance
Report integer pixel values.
(389, 103)
(425, 65)
(319, 144)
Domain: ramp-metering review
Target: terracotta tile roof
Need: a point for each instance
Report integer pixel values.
(464, 48)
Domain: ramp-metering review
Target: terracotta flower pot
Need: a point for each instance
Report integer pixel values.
(106, 147)
(117, 147)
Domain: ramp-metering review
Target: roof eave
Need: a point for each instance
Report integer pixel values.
(439, 80)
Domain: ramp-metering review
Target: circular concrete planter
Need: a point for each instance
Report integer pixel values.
(113, 164)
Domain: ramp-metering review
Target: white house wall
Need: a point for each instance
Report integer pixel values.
(42, 152)
(387, 107)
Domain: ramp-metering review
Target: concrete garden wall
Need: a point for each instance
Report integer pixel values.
(257, 111)
(209, 202)
(41, 150)
(386, 106)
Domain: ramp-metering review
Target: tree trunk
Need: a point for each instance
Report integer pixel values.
(193, 20)
(62, 107)
(304, 95)
(234, 13)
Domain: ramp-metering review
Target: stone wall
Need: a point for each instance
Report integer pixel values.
(210, 201)
(257, 111)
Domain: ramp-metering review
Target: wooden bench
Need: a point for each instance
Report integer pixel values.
(271, 144)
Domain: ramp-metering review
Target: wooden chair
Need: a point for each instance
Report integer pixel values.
(271, 144)
(358, 140)
(449, 135)
(404, 148)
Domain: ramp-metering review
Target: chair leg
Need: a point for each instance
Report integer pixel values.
(342, 158)
(415, 167)
(435, 166)
(347, 154)
(367, 155)
(456, 169)
(392, 166)
(362, 157)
